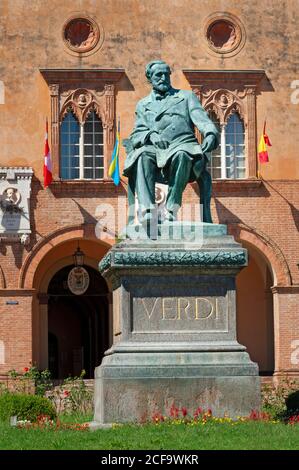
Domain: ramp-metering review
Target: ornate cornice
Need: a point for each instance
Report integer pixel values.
(82, 102)
(225, 77)
(88, 76)
(174, 258)
(13, 173)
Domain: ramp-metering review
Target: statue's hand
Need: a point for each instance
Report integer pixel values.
(155, 139)
(208, 143)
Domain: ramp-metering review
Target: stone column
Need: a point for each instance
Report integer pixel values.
(251, 130)
(108, 126)
(54, 93)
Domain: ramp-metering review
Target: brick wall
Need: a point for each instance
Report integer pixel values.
(269, 209)
(16, 329)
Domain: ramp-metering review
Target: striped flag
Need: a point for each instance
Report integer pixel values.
(114, 165)
(262, 150)
(47, 161)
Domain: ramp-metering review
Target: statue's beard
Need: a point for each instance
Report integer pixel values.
(162, 87)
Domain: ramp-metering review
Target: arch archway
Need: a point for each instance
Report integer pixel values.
(52, 257)
(268, 249)
(33, 267)
(257, 313)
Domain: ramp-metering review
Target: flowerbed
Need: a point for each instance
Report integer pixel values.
(45, 422)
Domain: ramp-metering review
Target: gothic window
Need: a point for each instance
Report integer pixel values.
(230, 98)
(82, 122)
(81, 147)
(228, 160)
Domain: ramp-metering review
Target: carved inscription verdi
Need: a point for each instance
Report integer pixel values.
(179, 313)
(170, 308)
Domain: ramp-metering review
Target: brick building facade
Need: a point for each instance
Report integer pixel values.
(88, 60)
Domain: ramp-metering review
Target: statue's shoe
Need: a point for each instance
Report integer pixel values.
(169, 216)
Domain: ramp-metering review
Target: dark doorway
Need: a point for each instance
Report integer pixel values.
(77, 324)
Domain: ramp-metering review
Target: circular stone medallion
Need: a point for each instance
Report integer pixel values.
(81, 34)
(78, 280)
(224, 34)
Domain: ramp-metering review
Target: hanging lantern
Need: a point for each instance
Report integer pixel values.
(78, 257)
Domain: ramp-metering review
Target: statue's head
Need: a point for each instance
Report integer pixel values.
(158, 74)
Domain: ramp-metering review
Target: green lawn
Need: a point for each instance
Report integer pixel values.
(250, 435)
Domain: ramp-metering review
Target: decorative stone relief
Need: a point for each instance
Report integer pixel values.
(82, 34)
(224, 34)
(15, 187)
(78, 280)
(174, 258)
(81, 102)
(224, 103)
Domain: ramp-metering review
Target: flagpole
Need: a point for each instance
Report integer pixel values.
(258, 164)
(47, 164)
(118, 144)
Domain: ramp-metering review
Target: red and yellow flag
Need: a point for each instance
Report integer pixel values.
(262, 150)
(47, 161)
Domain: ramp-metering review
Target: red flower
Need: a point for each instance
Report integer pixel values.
(184, 412)
(254, 415)
(66, 393)
(174, 411)
(26, 369)
(197, 412)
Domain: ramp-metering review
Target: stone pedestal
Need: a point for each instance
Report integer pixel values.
(174, 310)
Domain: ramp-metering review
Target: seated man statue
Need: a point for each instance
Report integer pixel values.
(163, 146)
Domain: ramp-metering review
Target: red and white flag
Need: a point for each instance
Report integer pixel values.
(48, 161)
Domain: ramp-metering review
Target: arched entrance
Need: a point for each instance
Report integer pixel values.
(78, 325)
(255, 320)
(43, 270)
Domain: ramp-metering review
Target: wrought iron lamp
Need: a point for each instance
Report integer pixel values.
(78, 257)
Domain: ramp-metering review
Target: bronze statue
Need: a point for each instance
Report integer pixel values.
(163, 146)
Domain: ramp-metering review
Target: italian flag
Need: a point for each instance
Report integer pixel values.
(47, 161)
(262, 150)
